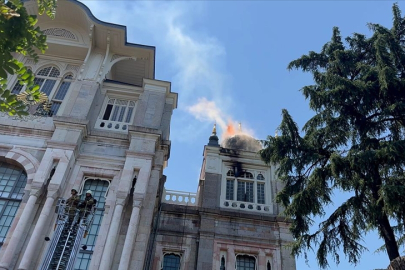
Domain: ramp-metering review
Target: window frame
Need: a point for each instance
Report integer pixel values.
(125, 116)
(9, 198)
(176, 253)
(260, 176)
(245, 255)
(252, 178)
(59, 80)
(87, 254)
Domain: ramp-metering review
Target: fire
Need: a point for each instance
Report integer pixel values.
(230, 130)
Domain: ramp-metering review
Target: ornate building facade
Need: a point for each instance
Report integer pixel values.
(107, 129)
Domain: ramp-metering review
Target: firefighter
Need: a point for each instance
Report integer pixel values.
(86, 205)
(72, 203)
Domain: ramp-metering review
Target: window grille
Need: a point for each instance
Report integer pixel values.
(171, 262)
(245, 262)
(59, 32)
(12, 183)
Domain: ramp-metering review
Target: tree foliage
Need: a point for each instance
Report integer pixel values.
(355, 144)
(19, 34)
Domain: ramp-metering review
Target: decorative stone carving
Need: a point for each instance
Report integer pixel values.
(60, 32)
(73, 68)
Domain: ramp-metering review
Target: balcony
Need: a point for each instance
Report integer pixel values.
(179, 197)
(112, 125)
(248, 206)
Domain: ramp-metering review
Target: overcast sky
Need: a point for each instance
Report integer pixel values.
(230, 57)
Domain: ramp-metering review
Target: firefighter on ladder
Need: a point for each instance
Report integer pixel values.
(71, 204)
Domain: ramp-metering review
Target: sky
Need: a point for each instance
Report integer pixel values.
(231, 57)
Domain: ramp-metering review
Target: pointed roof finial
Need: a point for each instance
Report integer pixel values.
(213, 140)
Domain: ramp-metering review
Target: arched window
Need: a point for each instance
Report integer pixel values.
(268, 265)
(171, 261)
(222, 263)
(99, 189)
(260, 177)
(51, 84)
(46, 79)
(12, 183)
(245, 262)
(230, 173)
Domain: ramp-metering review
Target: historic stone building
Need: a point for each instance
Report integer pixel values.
(107, 130)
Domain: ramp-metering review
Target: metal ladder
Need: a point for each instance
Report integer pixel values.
(68, 235)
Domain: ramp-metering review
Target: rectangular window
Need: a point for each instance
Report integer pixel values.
(245, 262)
(99, 188)
(229, 189)
(260, 193)
(245, 191)
(119, 110)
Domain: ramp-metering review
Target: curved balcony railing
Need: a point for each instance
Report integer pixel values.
(179, 197)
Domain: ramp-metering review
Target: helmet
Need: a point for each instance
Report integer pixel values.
(75, 190)
(89, 192)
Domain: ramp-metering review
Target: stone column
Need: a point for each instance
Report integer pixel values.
(16, 238)
(261, 260)
(109, 248)
(231, 260)
(130, 237)
(32, 247)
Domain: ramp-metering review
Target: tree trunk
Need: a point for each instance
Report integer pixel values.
(397, 264)
(387, 234)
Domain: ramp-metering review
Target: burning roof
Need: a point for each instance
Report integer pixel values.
(242, 142)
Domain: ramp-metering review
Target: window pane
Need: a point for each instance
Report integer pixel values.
(241, 191)
(260, 176)
(48, 86)
(54, 108)
(12, 183)
(222, 263)
(249, 192)
(129, 114)
(229, 189)
(44, 71)
(64, 87)
(39, 81)
(107, 113)
(171, 262)
(245, 262)
(17, 88)
(121, 114)
(260, 193)
(54, 72)
(115, 113)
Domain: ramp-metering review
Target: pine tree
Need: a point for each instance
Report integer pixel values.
(355, 144)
